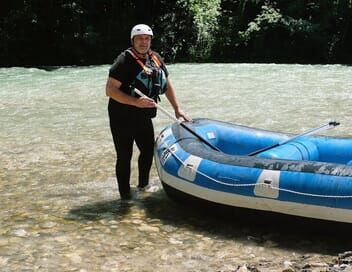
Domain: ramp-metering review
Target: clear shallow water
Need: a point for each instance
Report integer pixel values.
(60, 209)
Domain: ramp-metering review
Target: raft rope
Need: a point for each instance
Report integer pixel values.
(251, 184)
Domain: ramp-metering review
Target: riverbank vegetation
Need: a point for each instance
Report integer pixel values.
(78, 32)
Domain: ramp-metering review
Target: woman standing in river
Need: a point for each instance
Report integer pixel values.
(131, 115)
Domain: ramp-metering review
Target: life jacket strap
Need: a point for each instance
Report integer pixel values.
(154, 58)
(144, 67)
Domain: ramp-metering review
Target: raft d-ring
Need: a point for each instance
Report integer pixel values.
(165, 155)
(190, 166)
(163, 136)
(268, 184)
(188, 170)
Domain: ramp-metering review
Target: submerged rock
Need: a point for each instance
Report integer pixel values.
(174, 241)
(3, 261)
(20, 233)
(146, 228)
(48, 225)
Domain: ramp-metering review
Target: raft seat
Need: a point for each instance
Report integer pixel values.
(301, 150)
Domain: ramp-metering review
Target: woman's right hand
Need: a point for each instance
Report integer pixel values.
(145, 102)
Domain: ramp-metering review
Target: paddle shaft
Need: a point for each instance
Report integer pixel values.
(179, 122)
(309, 132)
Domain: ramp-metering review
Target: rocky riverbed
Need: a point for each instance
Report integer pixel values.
(153, 233)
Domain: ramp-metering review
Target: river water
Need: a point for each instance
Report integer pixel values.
(60, 208)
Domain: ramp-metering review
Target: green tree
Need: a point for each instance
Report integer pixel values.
(188, 29)
(67, 32)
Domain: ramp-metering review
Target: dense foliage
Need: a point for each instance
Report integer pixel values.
(78, 32)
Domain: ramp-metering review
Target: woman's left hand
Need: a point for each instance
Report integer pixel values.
(181, 114)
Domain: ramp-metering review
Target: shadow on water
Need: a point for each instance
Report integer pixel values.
(112, 209)
(243, 225)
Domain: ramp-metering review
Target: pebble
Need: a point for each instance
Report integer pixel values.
(88, 228)
(136, 215)
(20, 233)
(179, 254)
(168, 228)
(4, 241)
(243, 268)
(48, 225)
(164, 257)
(3, 261)
(61, 239)
(319, 265)
(348, 269)
(344, 258)
(229, 267)
(75, 258)
(288, 269)
(146, 228)
(207, 239)
(173, 241)
(111, 266)
(104, 222)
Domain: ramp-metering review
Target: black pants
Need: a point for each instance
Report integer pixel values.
(125, 131)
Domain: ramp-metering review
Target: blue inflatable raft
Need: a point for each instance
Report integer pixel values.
(310, 176)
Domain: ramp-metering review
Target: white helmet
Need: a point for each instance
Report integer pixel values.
(140, 30)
